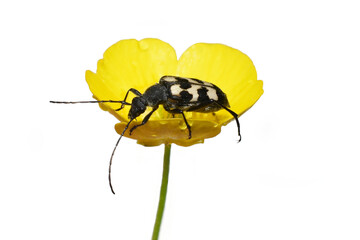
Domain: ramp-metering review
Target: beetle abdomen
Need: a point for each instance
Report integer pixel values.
(190, 94)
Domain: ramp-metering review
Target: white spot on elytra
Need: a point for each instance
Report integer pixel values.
(194, 92)
(212, 93)
(169, 79)
(201, 82)
(175, 90)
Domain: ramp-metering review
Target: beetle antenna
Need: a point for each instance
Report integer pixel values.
(101, 101)
(112, 154)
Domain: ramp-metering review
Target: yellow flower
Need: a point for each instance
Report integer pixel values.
(140, 64)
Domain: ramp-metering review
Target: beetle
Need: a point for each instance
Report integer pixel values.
(177, 95)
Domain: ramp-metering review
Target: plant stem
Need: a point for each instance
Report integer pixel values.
(163, 191)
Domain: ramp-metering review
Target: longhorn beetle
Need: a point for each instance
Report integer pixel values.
(177, 95)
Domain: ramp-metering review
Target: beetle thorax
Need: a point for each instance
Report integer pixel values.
(155, 95)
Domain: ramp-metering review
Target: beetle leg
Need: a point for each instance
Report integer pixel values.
(175, 111)
(146, 118)
(234, 115)
(187, 124)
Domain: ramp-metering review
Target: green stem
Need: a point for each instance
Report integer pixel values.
(163, 190)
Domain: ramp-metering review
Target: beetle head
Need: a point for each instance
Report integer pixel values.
(138, 107)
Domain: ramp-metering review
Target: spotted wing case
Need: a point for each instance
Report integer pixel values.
(192, 95)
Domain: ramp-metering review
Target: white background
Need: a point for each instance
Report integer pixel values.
(295, 175)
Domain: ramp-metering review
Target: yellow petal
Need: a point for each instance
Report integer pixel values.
(229, 69)
(140, 64)
(130, 64)
(174, 130)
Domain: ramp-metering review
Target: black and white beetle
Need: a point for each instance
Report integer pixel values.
(177, 95)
